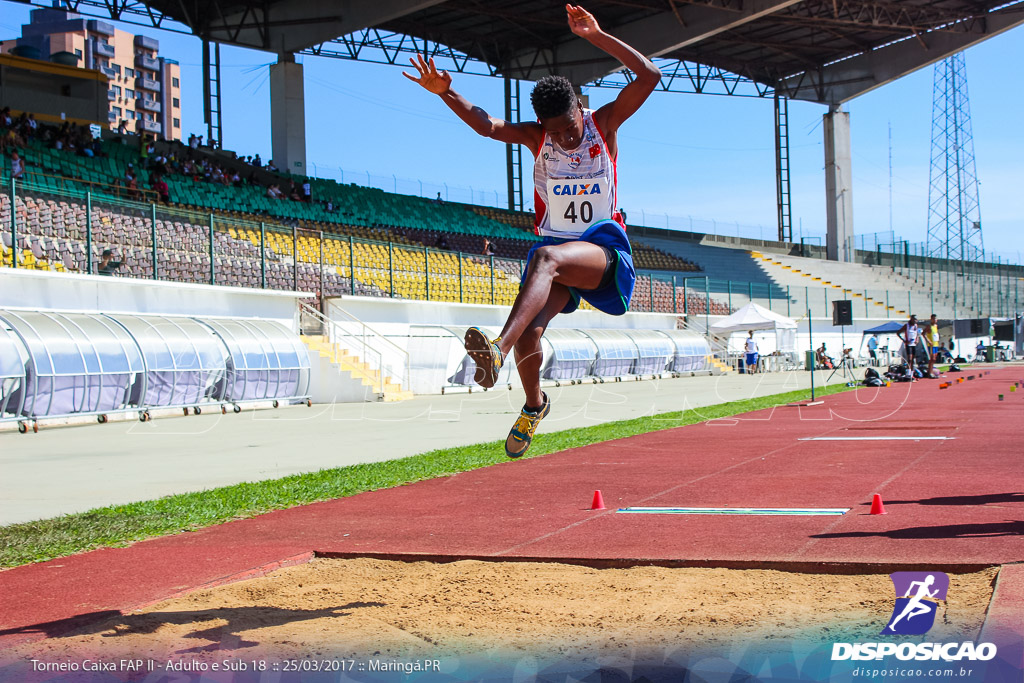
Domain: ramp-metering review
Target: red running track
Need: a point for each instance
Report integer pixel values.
(951, 504)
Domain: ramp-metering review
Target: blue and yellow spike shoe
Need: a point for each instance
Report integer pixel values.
(487, 356)
(521, 436)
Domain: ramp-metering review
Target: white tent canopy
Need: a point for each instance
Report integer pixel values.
(754, 317)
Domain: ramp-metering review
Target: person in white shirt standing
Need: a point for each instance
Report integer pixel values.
(584, 252)
(752, 354)
(909, 333)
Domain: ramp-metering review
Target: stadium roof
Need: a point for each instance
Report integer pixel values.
(825, 51)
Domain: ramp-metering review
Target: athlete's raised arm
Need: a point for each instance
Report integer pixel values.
(610, 116)
(440, 83)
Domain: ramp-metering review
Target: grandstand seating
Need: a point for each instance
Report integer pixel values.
(875, 290)
(408, 223)
(52, 233)
(719, 263)
(688, 300)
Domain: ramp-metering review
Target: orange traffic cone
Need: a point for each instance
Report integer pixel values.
(877, 508)
(598, 503)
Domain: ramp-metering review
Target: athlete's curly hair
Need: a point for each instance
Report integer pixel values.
(552, 96)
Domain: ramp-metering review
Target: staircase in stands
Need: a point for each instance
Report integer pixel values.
(349, 363)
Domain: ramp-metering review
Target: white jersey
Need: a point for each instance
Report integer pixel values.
(751, 345)
(574, 189)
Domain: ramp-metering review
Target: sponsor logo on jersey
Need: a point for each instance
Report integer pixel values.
(576, 189)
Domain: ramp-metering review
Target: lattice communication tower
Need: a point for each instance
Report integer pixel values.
(954, 211)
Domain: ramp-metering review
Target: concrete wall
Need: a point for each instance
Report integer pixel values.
(378, 312)
(48, 291)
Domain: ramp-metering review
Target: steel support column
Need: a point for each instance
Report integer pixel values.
(513, 153)
(782, 193)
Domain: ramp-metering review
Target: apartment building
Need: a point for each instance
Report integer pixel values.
(145, 88)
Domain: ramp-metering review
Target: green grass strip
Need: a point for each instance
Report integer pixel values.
(120, 525)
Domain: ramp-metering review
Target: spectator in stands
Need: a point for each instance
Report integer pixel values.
(586, 256)
(5, 117)
(20, 124)
(275, 192)
(11, 139)
(32, 126)
(160, 187)
(107, 264)
(438, 200)
(256, 161)
(442, 242)
(488, 248)
(130, 183)
(293, 192)
(271, 167)
(122, 128)
(17, 166)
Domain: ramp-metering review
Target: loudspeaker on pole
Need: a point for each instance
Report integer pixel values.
(842, 312)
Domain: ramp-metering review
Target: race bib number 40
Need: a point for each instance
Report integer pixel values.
(575, 205)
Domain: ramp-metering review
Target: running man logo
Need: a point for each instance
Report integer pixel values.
(917, 596)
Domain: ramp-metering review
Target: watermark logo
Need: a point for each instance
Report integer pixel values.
(917, 600)
(917, 596)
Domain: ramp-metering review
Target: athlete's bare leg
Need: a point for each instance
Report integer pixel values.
(529, 353)
(572, 264)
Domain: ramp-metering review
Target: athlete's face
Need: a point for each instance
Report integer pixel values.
(566, 130)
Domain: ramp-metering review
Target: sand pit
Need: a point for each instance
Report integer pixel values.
(364, 608)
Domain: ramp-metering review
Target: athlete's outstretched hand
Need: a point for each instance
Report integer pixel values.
(429, 77)
(582, 22)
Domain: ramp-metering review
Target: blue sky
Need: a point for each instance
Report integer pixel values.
(700, 160)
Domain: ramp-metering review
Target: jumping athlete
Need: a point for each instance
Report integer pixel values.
(583, 252)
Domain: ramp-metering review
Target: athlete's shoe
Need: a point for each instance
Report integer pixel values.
(487, 356)
(521, 436)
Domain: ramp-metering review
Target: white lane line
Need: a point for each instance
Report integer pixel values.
(734, 511)
(878, 438)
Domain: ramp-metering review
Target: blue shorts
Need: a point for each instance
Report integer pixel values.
(613, 298)
(751, 359)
